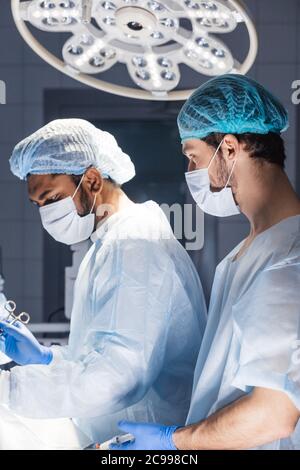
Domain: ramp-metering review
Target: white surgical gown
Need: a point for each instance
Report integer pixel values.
(137, 323)
(253, 329)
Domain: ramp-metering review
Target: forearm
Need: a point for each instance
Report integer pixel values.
(246, 423)
(92, 386)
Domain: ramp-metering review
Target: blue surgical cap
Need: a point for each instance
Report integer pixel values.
(70, 146)
(231, 104)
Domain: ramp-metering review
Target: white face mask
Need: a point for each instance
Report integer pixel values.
(64, 224)
(220, 204)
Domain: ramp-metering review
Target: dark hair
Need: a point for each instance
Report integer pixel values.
(264, 147)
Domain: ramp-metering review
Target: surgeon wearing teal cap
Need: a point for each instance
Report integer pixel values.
(246, 392)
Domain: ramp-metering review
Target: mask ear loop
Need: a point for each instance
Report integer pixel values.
(76, 190)
(93, 203)
(231, 171)
(214, 155)
(104, 176)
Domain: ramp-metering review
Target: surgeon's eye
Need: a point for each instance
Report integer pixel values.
(51, 199)
(191, 157)
(193, 160)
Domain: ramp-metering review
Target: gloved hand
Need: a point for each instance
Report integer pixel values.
(147, 436)
(22, 347)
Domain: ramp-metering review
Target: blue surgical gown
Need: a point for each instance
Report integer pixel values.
(253, 330)
(137, 322)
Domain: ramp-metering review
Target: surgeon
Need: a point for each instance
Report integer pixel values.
(246, 392)
(139, 312)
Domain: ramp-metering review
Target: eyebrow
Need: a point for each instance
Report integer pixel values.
(44, 194)
(41, 196)
(186, 153)
(186, 149)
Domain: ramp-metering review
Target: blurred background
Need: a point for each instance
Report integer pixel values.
(32, 264)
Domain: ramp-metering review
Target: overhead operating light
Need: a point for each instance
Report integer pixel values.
(152, 38)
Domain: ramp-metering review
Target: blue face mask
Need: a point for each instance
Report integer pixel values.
(220, 204)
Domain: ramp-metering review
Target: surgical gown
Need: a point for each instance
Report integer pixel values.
(137, 322)
(253, 330)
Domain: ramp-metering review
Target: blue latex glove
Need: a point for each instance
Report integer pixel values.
(147, 436)
(22, 347)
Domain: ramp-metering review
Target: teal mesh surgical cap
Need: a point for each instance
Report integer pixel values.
(231, 104)
(70, 146)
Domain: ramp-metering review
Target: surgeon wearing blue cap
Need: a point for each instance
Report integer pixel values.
(246, 392)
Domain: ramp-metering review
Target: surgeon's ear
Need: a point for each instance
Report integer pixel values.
(93, 180)
(230, 147)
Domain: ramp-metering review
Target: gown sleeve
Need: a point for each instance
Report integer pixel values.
(124, 347)
(267, 328)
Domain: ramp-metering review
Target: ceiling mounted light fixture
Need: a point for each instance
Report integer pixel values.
(152, 38)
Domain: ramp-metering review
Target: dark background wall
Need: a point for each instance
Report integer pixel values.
(28, 78)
